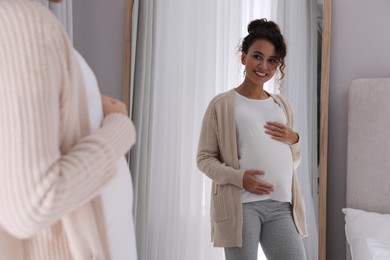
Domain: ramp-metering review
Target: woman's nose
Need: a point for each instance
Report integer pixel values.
(263, 64)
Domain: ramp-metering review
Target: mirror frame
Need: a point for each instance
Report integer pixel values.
(324, 108)
(325, 76)
(127, 54)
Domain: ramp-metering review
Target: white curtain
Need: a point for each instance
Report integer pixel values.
(64, 12)
(185, 53)
(298, 21)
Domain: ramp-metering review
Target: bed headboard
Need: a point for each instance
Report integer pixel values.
(368, 151)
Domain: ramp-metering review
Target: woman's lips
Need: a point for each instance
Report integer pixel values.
(260, 74)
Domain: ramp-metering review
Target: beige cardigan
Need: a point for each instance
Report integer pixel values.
(218, 158)
(51, 170)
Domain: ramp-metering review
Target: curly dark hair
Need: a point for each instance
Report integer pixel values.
(268, 30)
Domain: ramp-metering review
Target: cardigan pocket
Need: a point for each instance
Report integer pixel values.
(218, 208)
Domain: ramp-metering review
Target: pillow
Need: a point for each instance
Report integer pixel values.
(378, 250)
(368, 234)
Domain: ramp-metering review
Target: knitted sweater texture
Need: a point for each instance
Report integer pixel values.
(217, 157)
(51, 169)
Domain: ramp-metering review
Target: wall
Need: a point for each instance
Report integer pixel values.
(360, 49)
(98, 34)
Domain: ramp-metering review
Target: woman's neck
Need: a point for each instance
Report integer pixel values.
(252, 91)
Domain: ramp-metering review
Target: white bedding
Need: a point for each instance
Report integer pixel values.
(368, 234)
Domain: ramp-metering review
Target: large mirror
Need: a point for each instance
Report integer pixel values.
(319, 178)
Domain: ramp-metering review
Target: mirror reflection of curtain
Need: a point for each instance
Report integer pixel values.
(298, 21)
(64, 13)
(185, 52)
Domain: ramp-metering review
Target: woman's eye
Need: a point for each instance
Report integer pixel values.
(258, 57)
(273, 61)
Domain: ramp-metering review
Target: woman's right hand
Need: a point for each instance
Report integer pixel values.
(112, 105)
(254, 185)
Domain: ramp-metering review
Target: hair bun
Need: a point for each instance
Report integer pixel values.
(262, 26)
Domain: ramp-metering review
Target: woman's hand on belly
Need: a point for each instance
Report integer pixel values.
(281, 132)
(255, 185)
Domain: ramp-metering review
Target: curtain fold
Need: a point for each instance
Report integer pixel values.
(182, 61)
(298, 21)
(141, 104)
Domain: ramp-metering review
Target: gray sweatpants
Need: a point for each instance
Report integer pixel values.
(270, 223)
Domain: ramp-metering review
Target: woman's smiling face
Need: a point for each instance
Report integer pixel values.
(260, 62)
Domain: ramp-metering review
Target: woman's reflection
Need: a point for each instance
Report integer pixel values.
(249, 149)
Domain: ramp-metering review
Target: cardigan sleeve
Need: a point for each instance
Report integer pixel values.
(40, 181)
(210, 159)
(296, 147)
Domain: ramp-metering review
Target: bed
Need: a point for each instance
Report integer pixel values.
(367, 212)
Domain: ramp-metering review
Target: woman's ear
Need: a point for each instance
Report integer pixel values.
(243, 58)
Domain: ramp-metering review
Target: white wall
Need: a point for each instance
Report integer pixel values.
(360, 48)
(98, 34)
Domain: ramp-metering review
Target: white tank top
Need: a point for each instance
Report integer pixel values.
(256, 149)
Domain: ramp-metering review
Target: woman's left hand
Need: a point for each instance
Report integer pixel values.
(281, 132)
